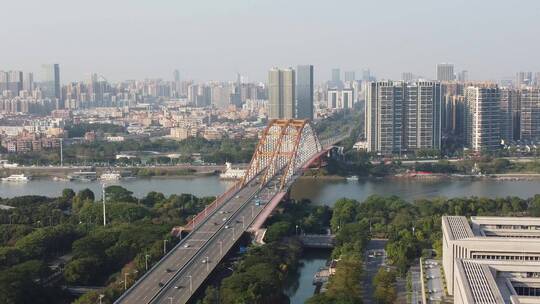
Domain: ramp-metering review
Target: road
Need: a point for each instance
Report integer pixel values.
(416, 293)
(181, 288)
(434, 287)
(374, 258)
(183, 267)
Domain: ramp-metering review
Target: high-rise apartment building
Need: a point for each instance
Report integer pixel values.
(384, 121)
(281, 93)
(407, 76)
(463, 76)
(453, 114)
(524, 79)
(422, 115)
(530, 115)
(508, 97)
(50, 81)
(340, 98)
(445, 72)
(366, 75)
(483, 118)
(304, 92)
(28, 82)
(402, 117)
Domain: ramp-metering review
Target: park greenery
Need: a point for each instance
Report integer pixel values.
(103, 152)
(363, 164)
(79, 130)
(49, 243)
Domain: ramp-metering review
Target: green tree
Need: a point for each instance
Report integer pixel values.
(83, 271)
(119, 194)
(277, 231)
(385, 291)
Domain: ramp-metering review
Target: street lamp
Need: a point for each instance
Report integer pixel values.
(104, 211)
(190, 283)
(296, 229)
(146, 256)
(125, 278)
(233, 234)
(164, 247)
(220, 247)
(101, 296)
(207, 264)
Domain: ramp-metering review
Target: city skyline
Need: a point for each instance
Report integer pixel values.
(113, 41)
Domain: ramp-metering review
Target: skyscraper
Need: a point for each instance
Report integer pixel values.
(176, 76)
(445, 72)
(336, 75)
(281, 93)
(350, 76)
(403, 117)
(50, 81)
(304, 92)
(3, 81)
(482, 118)
(15, 82)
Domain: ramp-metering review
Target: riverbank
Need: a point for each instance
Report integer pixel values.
(502, 176)
(322, 177)
(428, 176)
(64, 171)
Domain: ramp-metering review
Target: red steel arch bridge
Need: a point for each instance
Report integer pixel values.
(285, 150)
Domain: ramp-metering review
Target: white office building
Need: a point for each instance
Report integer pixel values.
(492, 260)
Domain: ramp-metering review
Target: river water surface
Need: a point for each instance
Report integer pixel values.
(320, 191)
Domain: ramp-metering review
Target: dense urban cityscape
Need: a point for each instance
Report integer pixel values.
(399, 117)
(269, 152)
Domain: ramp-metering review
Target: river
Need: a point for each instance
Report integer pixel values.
(300, 283)
(320, 191)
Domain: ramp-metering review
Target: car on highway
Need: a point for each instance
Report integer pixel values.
(227, 226)
(178, 287)
(186, 245)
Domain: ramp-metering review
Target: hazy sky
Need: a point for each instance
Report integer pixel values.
(135, 39)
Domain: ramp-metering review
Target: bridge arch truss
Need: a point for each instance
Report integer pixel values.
(284, 147)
